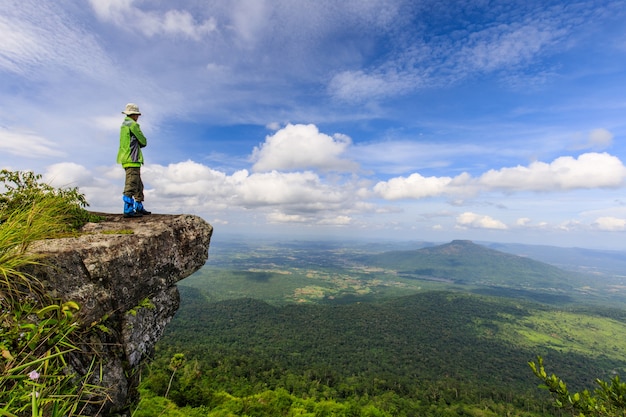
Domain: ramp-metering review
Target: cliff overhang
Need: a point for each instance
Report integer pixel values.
(123, 274)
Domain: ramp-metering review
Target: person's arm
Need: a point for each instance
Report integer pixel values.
(136, 130)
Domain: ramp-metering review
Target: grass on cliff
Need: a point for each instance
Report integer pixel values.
(38, 334)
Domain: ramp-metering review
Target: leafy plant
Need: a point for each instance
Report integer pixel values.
(607, 401)
(36, 344)
(22, 189)
(38, 335)
(45, 217)
(177, 362)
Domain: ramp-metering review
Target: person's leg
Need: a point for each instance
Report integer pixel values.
(133, 187)
(139, 187)
(131, 190)
(139, 196)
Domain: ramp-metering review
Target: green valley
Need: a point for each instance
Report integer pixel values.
(335, 329)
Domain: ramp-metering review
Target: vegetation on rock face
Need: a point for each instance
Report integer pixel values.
(38, 335)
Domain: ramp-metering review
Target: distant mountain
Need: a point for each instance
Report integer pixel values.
(466, 263)
(608, 262)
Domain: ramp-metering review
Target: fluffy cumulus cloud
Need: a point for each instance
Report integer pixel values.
(416, 186)
(589, 170)
(413, 186)
(297, 147)
(68, 174)
(610, 224)
(477, 221)
(190, 184)
(124, 14)
(303, 191)
(186, 179)
(95, 184)
(186, 186)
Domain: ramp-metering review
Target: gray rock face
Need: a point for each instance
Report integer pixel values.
(122, 272)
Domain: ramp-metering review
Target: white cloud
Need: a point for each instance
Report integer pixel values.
(417, 186)
(336, 220)
(250, 18)
(444, 61)
(18, 47)
(304, 191)
(325, 220)
(504, 45)
(302, 147)
(192, 184)
(68, 175)
(600, 138)
(354, 86)
(571, 225)
(273, 126)
(596, 139)
(94, 184)
(280, 217)
(124, 14)
(414, 186)
(589, 170)
(477, 221)
(186, 180)
(610, 224)
(27, 144)
(40, 36)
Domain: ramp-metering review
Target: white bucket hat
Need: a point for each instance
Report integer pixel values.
(131, 108)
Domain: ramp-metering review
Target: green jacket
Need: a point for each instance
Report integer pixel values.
(131, 142)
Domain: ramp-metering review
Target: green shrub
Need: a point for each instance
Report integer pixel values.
(38, 334)
(21, 189)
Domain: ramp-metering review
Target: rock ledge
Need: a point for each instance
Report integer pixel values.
(122, 272)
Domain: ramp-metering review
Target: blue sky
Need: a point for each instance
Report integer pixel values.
(379, 119)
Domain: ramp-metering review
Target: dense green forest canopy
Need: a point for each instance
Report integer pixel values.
(346, 326)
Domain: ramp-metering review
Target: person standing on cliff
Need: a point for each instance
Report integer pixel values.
(131, 158)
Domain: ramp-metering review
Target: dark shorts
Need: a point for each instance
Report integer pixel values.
(133, 187)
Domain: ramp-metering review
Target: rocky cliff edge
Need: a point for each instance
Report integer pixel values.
(122, 273)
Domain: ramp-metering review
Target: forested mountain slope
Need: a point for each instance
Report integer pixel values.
(467, 263)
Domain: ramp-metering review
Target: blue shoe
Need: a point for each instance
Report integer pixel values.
(129, 207)
(139, 209)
